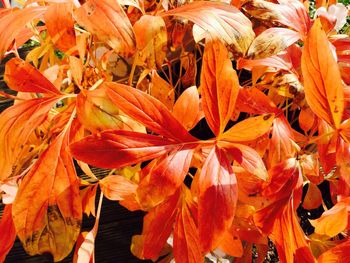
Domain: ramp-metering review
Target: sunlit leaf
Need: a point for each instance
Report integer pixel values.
(219, 86)
(31, 79)
(114, 149)
(47, 211)
(60, 25)
(219, 20)
(151, 40)
(147, 110)
(218, 195)
(249, 129)
(113, 26)
(8, 232)
(322, 81)
(272, 41)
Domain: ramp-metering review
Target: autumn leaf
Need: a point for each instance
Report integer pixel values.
(186, 238)
(249, 129)
(220, 20)
(337, 254)
(322, 81)
(157, 226)
(186, 109)
(113, 25)
(47, 211)
(290, 13)
(151, 40)
(219, 86)
(246, 157)
(8, 232)
(162, 90)
(271, 41)
(148, 111)
(165, 177)
(218, 195)
(60, 25)
(334, 220)
(114, 149)
(17, 125)
(13, 23)
(31, 79)
(97, 112)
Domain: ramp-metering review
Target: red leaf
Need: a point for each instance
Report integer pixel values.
(148, 111)
(114, 149)
(217, 199)
(219, 86)
(30, 80)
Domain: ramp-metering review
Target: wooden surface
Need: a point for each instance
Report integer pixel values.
(117, 225)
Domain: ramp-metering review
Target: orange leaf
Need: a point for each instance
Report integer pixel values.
(162, 90)
(220, 20)
(322, 81)
(85, 246)
(334, 220)
(282, 145)
(148, 111)
(17, 124)
(290, 239)
(254, 101)
(114, 149)
(8, 232)
(30, 80)
(117, 187)
(249, 129)
(151, 40)
(247, 157)
(217, 195)
(60, 25)
(165, 177)
(13, 23)
(157, 226)
(186, 238)
(313, 197)
(219, 86)
(108, 21)
(186, 109)
(337, 254)
(97, 112)
(47, 211)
